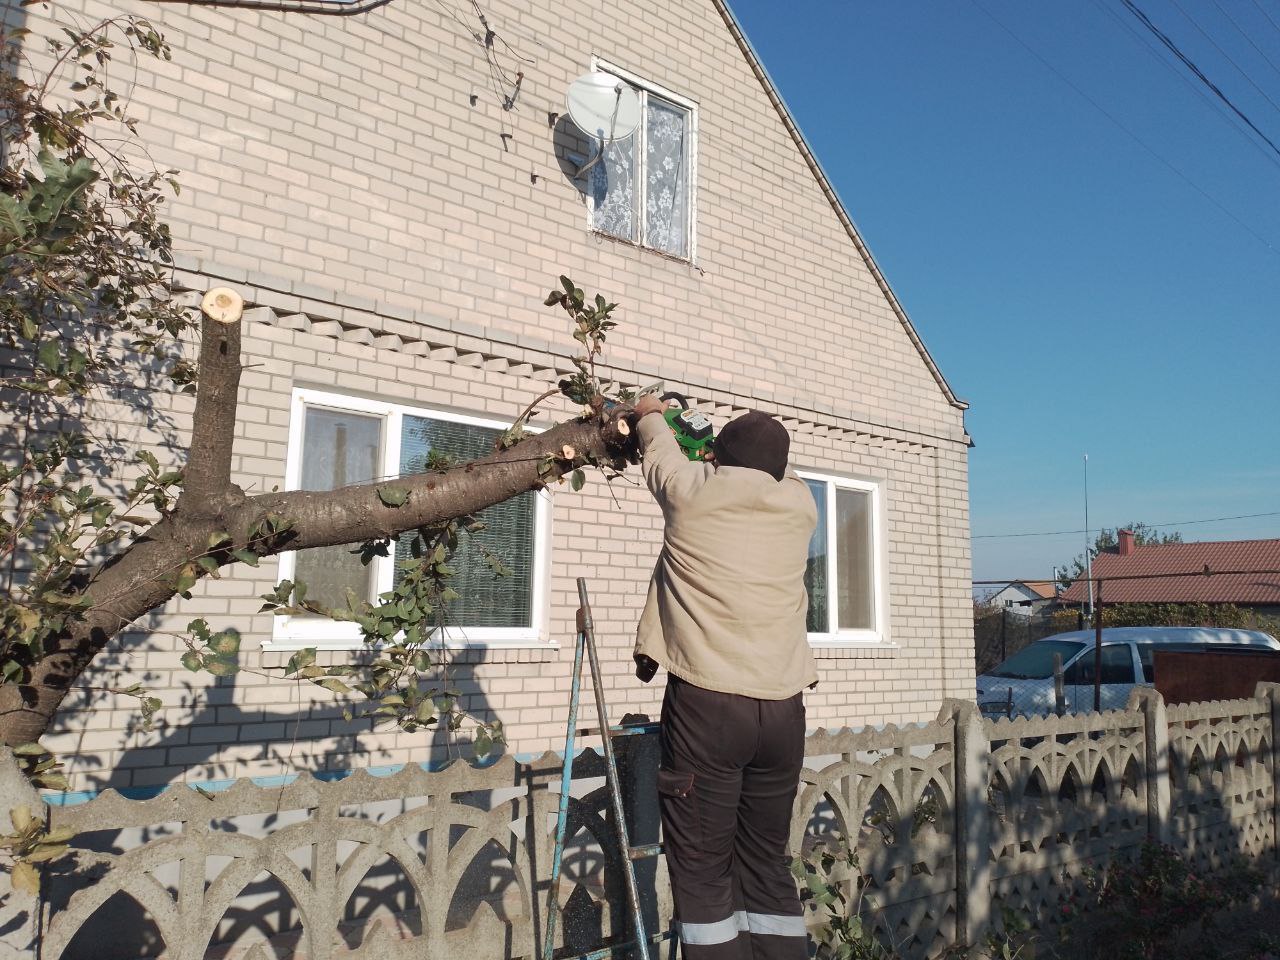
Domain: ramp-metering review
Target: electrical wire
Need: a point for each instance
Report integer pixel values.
(1244, 33)
(1231, 60)
(1263, 10)
(1173, 48)
(325, 8)
(1169, 523)
(1137, 139)
(1214, 105)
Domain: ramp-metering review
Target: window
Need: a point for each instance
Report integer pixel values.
(1117, 666)
(642, 190)
(336, 440)
(1035, 662)
(843, 576)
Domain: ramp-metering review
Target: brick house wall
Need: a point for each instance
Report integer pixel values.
(395, 229)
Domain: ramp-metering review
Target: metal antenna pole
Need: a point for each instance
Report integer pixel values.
(1088, 547)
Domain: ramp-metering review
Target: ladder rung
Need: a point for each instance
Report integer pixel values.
(622, 730)
(645, 851)
(605, 952)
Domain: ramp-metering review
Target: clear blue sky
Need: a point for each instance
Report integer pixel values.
(1079, 293)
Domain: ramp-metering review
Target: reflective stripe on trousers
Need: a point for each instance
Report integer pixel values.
(722, 931)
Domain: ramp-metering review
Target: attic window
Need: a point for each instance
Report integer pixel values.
(642, 191)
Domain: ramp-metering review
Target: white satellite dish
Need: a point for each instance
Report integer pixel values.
(604, 107)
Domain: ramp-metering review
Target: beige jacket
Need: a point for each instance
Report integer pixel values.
(727, 604)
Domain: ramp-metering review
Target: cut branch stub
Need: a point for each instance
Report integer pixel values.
(222, 304)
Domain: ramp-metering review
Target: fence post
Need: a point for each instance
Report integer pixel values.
(1156, 760)
(1271, 693)
(19, 911)
(972, 767)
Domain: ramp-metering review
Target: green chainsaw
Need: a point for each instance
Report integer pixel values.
(692, 428)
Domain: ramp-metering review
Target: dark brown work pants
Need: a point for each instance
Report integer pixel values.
(730, 769)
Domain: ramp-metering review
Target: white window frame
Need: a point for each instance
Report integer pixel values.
(879, 634)
(645, 87)
(293, 633)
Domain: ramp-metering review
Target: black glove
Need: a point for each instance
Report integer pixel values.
(646, 667)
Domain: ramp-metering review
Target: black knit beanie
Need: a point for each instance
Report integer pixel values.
(754, 440)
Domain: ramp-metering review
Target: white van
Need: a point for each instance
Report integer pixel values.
(1023, 684)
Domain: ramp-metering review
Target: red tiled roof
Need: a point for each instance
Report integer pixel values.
(1190, 558)
(1044, 588)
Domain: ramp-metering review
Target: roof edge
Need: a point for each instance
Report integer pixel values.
(784, 112)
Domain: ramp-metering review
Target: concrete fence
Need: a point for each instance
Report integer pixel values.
(953, 820)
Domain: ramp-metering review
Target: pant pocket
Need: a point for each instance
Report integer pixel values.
(681, 816)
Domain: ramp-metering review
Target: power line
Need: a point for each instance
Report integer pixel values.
(1173, 48)
(1148, 45)
(1138, 140)
(1231, 60)
(321, 8)
(1263, 10)
(1244, 33)
(1168, 523)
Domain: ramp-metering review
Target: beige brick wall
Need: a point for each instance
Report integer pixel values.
(338, 168)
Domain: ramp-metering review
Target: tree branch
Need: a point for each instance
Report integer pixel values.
(207, 478)
(143, 578)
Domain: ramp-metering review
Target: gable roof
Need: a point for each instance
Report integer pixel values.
(775, 97)
(1192, 559)
(1045, 589)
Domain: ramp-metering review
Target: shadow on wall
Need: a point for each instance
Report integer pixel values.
(212, 718)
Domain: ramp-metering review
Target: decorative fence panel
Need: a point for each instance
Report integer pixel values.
(949, 819)
(1223, 779)
(1066, 793)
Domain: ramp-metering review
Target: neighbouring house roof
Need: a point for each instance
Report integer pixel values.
(1045, 589)
(775, 97)
(1193, 559)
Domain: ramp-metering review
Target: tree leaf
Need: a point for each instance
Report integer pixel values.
(576, 480)
(221, 668)
(186, 578)
(226, 643)
(393, 496)
(191, 660)
(333, 684)
(25, 878)
(46, 852)
(48, 354)
(247, 557)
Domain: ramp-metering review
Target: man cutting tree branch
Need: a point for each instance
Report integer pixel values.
(725, 616)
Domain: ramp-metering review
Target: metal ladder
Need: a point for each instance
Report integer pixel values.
(641, 941)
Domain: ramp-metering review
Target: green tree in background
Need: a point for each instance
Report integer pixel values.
(1107, 541)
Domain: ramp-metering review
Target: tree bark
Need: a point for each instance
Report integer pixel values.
(207, 476)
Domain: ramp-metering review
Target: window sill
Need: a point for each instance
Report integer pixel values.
(853, 650)
(275, 653)
(670, 257)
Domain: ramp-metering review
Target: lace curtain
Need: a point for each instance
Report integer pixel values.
(613, 190)
(666, 200)
(615, 185)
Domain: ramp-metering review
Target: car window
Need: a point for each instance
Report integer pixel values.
(1147, 657)
(1036, 661)
(1117, 666)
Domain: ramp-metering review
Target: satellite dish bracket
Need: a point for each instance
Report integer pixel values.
(582, 170)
